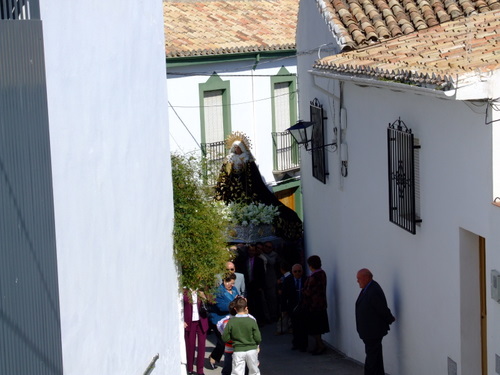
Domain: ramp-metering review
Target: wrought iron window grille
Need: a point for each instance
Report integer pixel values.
(401, 172)
(318, 117)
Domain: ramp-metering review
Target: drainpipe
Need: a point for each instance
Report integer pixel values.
(254, 126)
(257, 60)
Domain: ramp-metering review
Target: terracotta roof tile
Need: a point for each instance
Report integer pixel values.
(433, 56)
(214, 27)
(359, 23)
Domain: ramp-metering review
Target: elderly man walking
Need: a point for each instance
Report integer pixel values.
(373, 318)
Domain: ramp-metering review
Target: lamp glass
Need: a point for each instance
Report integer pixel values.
(302, 132)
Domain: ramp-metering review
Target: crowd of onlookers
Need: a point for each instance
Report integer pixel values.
(274, 289)
(261, 287)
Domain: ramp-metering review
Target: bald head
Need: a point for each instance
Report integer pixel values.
(230, 267)
(297, 271)
(364, 276)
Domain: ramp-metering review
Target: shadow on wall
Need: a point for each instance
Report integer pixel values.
(396, 326)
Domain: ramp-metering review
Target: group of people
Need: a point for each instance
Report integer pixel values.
(239, 293)
(240, 337)
(301, 309)
(237, 339)
(304, 305)
(256, 283)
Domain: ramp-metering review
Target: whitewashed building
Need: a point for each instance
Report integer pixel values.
(87, 281)
(412, 189)
(231, 66)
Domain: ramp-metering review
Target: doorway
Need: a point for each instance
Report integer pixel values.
(473, 317)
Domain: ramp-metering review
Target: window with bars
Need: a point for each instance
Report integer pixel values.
(403, 174)
(318, 140)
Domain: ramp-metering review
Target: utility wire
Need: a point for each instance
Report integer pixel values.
(182, 122)
(232, 104)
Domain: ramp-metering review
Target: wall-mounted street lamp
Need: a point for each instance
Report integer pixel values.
(302, 132)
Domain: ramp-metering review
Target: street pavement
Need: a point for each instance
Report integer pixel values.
(277, 358)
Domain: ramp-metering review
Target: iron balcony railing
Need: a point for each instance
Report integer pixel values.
(214, 154)
(19, 10)
(286, 152)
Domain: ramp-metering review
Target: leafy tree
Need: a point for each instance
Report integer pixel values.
(199, 226)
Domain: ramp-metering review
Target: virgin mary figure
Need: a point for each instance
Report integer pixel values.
(240, 181)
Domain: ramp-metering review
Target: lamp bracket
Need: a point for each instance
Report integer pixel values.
(310, 149)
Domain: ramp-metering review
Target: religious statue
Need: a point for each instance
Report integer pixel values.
(240, 181)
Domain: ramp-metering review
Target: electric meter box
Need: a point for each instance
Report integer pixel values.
(495, 285)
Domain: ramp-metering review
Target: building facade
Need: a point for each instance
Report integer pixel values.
(231, 66)
(411, 191)
(87, 272)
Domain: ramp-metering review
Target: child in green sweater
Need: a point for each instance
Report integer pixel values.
(243, 331)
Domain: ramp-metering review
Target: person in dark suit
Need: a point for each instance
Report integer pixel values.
(373, 318)
(195, 327)
(292, 290)
(255, 273)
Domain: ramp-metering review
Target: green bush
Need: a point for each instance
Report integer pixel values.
(199, 227)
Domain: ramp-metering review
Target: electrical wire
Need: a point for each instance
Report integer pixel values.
(182, 122)
(234, 104)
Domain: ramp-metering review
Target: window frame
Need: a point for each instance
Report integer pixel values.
(215, 83)
(284, 76)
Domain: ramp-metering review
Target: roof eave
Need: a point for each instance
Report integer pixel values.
(427, 89)
(218, 58)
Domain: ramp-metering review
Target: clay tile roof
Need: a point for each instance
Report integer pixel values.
(215, 27)
(438, 56)
(359, 23)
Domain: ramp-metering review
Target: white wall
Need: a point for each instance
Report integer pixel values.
(347, 223)
(251, 101)
(493, 241)
(105, 64)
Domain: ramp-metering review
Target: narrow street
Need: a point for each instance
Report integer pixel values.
(277, 358)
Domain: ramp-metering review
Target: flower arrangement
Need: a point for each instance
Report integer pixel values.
(250, 214)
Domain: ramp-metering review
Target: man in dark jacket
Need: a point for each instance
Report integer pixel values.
(373, 318)
(255, 273)
(292, 290)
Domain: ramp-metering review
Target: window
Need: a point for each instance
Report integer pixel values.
(318, 140)
(215, 116)
(403, 173)
(284, 112)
